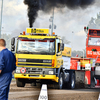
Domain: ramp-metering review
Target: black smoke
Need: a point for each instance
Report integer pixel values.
(46, 5)
(33, 7)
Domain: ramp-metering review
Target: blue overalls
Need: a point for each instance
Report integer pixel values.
(7, 65)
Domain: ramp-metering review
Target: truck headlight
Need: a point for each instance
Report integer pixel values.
(51, 72)
(18, 69)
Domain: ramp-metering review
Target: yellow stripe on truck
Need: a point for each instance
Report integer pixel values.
(47, 77)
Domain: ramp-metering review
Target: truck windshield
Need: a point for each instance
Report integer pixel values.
(36, 46)
(94, 41)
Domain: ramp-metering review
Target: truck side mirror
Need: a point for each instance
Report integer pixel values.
(12, 48)
(12, 41)
(13, 44)
(62, 46)
(58, 49)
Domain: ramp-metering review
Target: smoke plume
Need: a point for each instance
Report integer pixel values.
(33, 7)
(47, 5)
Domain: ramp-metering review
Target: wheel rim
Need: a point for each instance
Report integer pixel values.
(73, 82)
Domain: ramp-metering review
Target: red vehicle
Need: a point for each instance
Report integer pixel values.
(93, 49)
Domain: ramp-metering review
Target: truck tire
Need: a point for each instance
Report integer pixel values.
(59, 85)
(71, 83)
(20, 83)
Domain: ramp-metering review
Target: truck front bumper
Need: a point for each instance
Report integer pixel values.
(31, 76)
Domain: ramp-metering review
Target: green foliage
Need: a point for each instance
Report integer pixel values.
(65, 41)
(79, 53)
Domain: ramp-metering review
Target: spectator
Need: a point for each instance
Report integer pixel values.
(7, 65)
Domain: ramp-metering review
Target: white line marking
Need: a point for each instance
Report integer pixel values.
(43, 94)
(99, 97)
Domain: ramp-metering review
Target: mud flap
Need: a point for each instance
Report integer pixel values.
(93, 79)
(66, 76)
(80, 79)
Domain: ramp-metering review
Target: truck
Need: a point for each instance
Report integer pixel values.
(44, 58)
(93, 49)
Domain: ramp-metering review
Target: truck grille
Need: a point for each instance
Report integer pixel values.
(34, 62)
(34, 70)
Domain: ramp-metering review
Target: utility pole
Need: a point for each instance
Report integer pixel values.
(1, 17)
(52, 21)
(52, 26)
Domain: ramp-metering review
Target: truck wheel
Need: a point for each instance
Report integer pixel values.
(59, 85)
(20, 83)
(71, 83)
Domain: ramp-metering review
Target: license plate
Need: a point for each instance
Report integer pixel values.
(33, 75)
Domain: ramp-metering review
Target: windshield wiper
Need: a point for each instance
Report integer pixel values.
(23, 51)
(35, 52)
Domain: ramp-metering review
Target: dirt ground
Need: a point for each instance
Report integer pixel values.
(32, 93)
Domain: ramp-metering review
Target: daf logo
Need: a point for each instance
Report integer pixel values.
(21, 60)
(36, 68)
(47, 61)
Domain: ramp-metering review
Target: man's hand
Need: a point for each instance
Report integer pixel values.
(0, 71)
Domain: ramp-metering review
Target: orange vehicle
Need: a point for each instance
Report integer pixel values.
(93, 49)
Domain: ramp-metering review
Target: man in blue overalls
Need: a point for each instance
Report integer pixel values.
(7, 65)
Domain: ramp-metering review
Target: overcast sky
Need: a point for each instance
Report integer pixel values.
(70, 23)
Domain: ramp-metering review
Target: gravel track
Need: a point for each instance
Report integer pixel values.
(32, 93)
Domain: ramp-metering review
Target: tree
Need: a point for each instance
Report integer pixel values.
(65, 41)
(95, 22)
(79, 53)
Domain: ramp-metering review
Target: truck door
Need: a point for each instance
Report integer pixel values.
(58, 54)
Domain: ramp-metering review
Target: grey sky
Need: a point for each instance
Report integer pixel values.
(70, 23)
